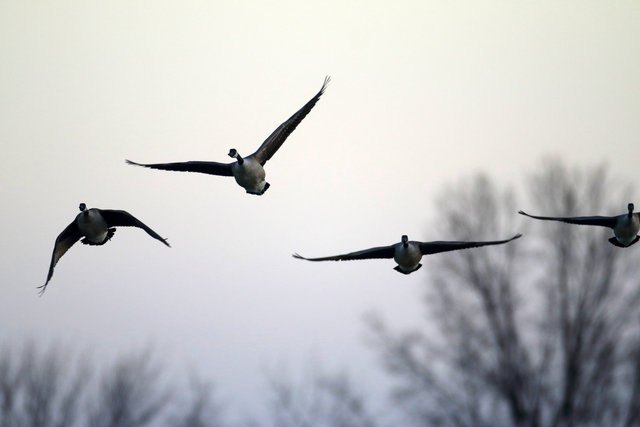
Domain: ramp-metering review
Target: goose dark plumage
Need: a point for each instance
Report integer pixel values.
(625, 227)
(248, 171)
(97, 226)
(407, 254)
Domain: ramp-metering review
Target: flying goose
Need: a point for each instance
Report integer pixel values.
(625, 227)
(248, 171)
(407, 254)
(97, 226)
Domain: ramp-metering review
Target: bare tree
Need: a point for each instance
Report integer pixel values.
(318, 400)
(132, 393)
(591, 296)
(49, 388)
(10, 384)
(201, 410)
(52, 387)
(38, 388)
(534, 333)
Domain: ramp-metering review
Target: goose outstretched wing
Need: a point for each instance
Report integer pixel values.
(116, 218)
(277, 138)
(428, 248)
(371, 253)
(211, 168)
(603, 221)
(69, 236)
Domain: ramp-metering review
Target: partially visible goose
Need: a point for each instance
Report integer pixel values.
(407, 254)
(625, 227)
(248, 171)
(97, 226)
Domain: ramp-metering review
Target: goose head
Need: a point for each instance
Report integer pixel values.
(405, 241)
(234, 153)
(83, 208)
(630, 207)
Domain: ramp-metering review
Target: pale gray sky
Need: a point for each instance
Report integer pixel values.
(423, 93)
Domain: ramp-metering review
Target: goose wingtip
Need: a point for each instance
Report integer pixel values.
(42, 289)
(327, 79)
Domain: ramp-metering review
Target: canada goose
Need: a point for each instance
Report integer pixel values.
(97, 226)
(248, 171)
(625, 227)
(407, 254)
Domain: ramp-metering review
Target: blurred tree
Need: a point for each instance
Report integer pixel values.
(326, 400)
(131, 394)
(539, 332)
(44, 388)
(38, 388)
(201, 409)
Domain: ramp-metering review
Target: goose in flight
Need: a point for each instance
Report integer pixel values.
(625, 227)
(97, 226)
(247, 171)
(407, 254)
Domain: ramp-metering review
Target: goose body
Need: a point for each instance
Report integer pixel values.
(625, 227)
(407, 254)
(97, 226)
(248, 171)
(93, 226)
(250, 175)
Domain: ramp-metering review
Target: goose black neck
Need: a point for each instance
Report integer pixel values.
(240, 159)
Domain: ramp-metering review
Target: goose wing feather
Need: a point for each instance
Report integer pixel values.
(69, 236)
(603, 221)
(117, 218)
(371, 253)
(282, 132)
(210, 168)
(435, 247)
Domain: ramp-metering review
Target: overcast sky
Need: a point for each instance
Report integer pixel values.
(422, 94)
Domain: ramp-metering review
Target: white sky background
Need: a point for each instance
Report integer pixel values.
(422, 94)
